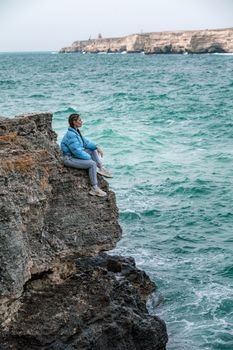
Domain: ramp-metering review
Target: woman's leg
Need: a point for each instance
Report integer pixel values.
(90, 165)
(94, 156)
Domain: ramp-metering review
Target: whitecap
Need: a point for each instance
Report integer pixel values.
(223, 53)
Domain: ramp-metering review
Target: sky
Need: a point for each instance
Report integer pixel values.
(49, 25)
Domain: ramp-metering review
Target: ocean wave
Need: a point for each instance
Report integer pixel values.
(222, 53)
(38, 96)
(9, 83)
(129, 215)
(227, 271)
(150, 213)
(221, 157)
(88, 91)
(68, 110)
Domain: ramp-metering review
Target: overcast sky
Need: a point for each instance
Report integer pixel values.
(48, 25)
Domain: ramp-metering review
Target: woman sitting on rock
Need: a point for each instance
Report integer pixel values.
(81, 153)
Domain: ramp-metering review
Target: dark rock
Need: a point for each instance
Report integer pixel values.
(91, 309)
(57, 289)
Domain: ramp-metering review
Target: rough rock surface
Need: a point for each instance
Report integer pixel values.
(196, 41)
(57, 289)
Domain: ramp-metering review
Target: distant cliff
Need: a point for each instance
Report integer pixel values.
(195, 41)
(58, 290)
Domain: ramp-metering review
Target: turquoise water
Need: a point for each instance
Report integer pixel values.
(166, 125)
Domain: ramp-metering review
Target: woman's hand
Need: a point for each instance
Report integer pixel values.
(99, 151)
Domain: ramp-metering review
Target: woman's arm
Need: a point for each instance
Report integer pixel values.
(99, 151)
(89, 144)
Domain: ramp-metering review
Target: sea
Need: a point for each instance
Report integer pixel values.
(165, 123)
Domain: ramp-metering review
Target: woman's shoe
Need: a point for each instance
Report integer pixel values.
(97, 192)
(104, 172)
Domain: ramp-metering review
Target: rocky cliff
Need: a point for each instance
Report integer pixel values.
(58, 289)
(196, 41)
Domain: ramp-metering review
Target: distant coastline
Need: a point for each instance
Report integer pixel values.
(168, 42)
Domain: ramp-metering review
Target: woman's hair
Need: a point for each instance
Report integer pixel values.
(73, 117)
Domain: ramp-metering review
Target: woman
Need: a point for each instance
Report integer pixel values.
(81, 153)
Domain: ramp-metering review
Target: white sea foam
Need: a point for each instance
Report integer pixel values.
(223, 53)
